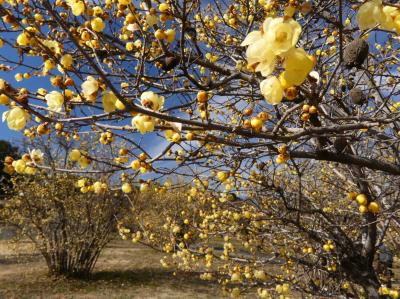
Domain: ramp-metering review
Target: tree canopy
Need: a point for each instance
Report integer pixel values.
(279, 117)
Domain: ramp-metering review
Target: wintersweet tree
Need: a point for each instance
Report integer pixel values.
(280, 118)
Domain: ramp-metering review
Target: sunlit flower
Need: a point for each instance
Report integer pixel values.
(77, 7)
(282, 34)
(151, 19)
(390, 15)
(66, 61)
(84, 162)
(75, 155)
(272, 90)
(99, 187)
(172, 136)
(109, 100)
(259, 53)
(170, 35)
(53, 46)
(297, 66)
(16, 118)
(55, 101)
(4, 99)
(23, 39)
(152, 100)
(97, 24)
(143, 123)
(126, 188)
(370, 14)
(19, 166)
(36, 156)
(90, 86)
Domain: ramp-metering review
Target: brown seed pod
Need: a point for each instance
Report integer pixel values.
(355, 53)
(357, 96)
(169, 63)
(340, 144)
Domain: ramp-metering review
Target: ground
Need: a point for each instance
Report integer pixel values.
(124, 270)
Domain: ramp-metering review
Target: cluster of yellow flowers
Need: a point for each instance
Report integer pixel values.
(392, 293)
(77, 156)
(111, 102)
(373, 13)
(97, 187)
(365, 205)
(25, 165)
(277, 39)
(145, 123)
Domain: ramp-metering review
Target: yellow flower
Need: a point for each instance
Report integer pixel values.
(16, 118)
(126, 188)
(272, 90)
(172, 136)
(152, 100)
(99, 187)
(259, 52)
(370, 14)
(390, 15)
(55, 101)
(151, 19)
(48, 65)
(75, 155)
(144, 187)
(67, 61)
(90, 86)
(97, 24)
(77, 7)
(297, 66)
(52, 45)
(29, 170)
(23, 39)
(19, 166)
(84, 162)
(36, 156)
(124, 2)
(143, 123)
(4, 99)
(281, 34)
(18, 77)
(109, 101)
(170, 33)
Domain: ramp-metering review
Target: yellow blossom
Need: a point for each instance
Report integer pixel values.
(109, 100)
(16, 118)
(370, 14)
(143, 123)
(272, 90)
(152, 100)
(55, 101)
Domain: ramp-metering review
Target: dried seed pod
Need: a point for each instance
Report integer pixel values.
(355, 53)
(340, 144)
(169, 63)
(357, 96)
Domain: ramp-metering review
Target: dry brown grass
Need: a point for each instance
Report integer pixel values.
(124, 270)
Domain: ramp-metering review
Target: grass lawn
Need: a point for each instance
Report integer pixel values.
(124, 270)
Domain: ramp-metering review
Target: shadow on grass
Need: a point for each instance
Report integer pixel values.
(19, 258)
(147, 276)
